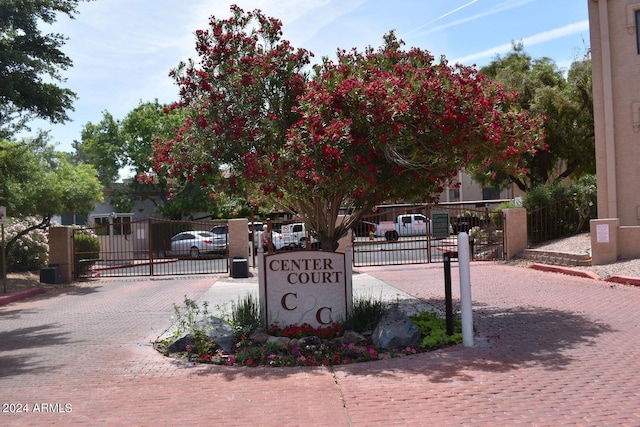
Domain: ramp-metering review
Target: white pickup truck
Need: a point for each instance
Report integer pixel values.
(405, 225)
(295, 235)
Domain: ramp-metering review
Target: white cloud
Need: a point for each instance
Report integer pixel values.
(501, 7)
(533, 40)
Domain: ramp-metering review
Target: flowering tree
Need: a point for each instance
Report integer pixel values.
(380, 125)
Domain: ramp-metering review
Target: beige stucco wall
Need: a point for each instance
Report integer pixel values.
(616, 100)
(515, 231)
(615, 58)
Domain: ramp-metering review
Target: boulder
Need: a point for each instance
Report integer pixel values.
(352, 337)
(219, 331)
(395, 330)
(279, 341)
(180, 344)
(259, 337)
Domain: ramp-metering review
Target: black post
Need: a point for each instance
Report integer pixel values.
(448, 299)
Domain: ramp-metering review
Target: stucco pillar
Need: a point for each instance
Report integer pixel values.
(61, 251)
(238, 238)
(604, 240)
(515, 231)
(345, 241)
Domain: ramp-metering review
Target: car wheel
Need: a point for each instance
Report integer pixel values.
(195, 253)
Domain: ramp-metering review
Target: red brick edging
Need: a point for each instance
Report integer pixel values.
(565, 270)
(21, 295)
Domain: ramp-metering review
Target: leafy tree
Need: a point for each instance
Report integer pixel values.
(35, 180)
(567, 105)
(141, 128)
(377, 125)
(102, 147)
(112, 145)
(31, 62)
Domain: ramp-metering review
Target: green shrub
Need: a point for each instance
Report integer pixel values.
(558, 209)
(29, 252)
(245, 316)
(86, 245)
(433, 330)
(365, 314)
(187, 323)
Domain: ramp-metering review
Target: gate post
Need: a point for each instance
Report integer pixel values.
(515, 231)
(61, 251)
(448, 298)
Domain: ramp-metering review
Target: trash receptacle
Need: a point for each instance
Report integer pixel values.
(51, 275)
(240, 268)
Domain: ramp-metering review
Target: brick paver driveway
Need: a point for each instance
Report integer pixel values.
(551, 350)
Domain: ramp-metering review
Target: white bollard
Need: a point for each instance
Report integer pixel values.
(465, 289)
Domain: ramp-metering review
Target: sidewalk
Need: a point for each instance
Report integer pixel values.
(551, 349)
(364, 285)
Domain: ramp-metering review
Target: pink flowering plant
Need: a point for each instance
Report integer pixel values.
(306, 348)
(305, 345)
(30, 251)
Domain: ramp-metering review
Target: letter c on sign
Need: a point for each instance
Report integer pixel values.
(319, 315)
(283, 301)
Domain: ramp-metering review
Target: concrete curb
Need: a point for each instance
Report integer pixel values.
(566, 270)
(625, 280)
(4, 300)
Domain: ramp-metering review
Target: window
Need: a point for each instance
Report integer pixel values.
(121, 225)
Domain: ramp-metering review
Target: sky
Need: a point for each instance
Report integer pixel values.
(123, 50)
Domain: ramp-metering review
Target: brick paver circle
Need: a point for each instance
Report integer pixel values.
(551, 349)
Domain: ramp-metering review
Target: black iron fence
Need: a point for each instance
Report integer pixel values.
(424, 233)
(155, 247)
(562, 218)
(394, 235)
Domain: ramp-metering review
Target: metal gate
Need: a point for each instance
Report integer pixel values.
(420, 234)
(151, 247)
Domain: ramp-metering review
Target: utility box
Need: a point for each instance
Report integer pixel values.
(51, 275)
(239, 268)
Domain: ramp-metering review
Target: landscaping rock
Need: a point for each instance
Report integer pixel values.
(311, 341)
(279, 341)
(218, 331)
(180, 344)
(352, 337)
(395, 330)
(259, 337)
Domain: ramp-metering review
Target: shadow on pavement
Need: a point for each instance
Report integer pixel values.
(32, 338)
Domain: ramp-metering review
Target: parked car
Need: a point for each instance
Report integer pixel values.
(363, 228)
(221, 236)
(193, 243)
